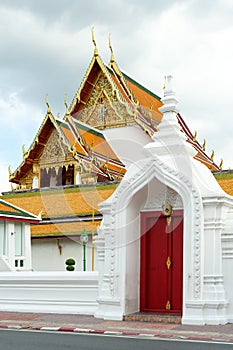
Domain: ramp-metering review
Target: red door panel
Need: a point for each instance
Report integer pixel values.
(161, 283)
(156, 270)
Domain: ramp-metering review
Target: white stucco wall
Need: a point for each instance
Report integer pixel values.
(57, 292)
(46, 255)
(128, 137)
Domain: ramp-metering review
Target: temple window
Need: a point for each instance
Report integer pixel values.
(68, 175)
(53, 178)
(44, 178)
(64, 176)
(19, 239)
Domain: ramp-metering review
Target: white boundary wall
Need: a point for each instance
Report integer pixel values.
(56, 292)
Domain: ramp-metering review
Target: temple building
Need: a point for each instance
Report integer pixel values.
(123, 166)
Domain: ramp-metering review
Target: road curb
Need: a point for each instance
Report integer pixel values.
(115, 333)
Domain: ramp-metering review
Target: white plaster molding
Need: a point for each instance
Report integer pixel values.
(57, 292)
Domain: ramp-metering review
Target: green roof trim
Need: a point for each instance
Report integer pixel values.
(59, 190)
(141, 87)
(134, 82)
(62, 123)
(224, 175)
(17, 212)
(89, 129)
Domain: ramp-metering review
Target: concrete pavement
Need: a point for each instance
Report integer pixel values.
(90, 324)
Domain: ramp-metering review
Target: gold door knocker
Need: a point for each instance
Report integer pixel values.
(167, 211)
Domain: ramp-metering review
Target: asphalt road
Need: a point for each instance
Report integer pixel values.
(28, 340)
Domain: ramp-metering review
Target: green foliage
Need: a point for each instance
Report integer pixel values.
(70, 267)
(70, 262)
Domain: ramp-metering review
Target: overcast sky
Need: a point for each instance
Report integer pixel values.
(46, 47)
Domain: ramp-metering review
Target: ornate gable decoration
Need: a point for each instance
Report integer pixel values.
(103, 107)
(55, 152)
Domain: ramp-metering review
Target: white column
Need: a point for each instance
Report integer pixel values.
(11, 244)
(27, 247)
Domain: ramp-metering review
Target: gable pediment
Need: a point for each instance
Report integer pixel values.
(55, 152)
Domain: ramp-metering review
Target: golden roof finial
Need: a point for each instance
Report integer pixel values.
(110, 47)
(195, 136)
(9, 170)
(23, 150)
(66, 105)
(204, 144)
(165, 82)
(220, 165)
(94, 42)
(47, 103)
(212, 156)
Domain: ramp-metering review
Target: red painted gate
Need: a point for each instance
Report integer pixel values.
(161, 262)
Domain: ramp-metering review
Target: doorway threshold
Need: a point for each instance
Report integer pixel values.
(154, 317)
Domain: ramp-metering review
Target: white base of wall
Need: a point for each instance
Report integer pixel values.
(56, 292)
(200, 313)
(109, 309)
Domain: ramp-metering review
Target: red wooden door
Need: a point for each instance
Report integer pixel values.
(161, 262)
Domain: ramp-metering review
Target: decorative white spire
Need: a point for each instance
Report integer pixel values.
(169, 99)
(169, 140)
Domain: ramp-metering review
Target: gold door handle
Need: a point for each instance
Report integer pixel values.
(168, 262)
(168, 305)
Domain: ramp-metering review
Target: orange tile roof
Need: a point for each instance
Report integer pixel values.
(72, 140)
(63, 229)
(9, 210)
(97, 140)
(227, 185)
(57, 203)
(146, 99)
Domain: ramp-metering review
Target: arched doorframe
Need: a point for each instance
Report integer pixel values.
(117, 284)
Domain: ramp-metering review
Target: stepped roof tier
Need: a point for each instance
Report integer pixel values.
(78, 148)
(76, 162)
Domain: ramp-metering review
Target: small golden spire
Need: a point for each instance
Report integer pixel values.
(110, 47)
(74, 146)
(212, 156)
(195, 136)
(23, 150)
(66, 105)
(9, 170)
(47, 103)
(220, 165)
(204, 144)
(94, 42)
(165, 82)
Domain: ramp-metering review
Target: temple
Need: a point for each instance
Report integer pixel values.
(79, 148)
(119, 165)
